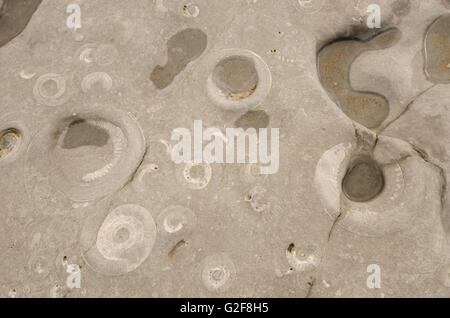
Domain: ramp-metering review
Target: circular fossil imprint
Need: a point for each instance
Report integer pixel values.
(41, 265)
(176, 220)
(100, 78)
(218, 272)
(14, 137)
(97, 53)
(197, 176)
(239, 79)
(190, 10)
(437, 50)
(124, 241)
(382, 194)
(86, 153)
(304, 259)
(50, 89)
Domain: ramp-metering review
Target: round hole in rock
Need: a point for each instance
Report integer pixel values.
(236, 77)
(364, 180)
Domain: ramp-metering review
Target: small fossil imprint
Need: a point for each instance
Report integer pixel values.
(14, 136)
(51, 90)
(176, 220)
(218, 272)
(10, 140)
(190, 10)
(40, 266)
(102, 54)
(303, 258)
(182, 48)
(258, 199)
(14, 17)
(96, 78)
(334, 62)
(194, 176)
(437, 50)
(157, 170)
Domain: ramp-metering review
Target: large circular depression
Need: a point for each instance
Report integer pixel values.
(236, 77)
(382, 194)
(239, 79)
(364, 180)
(87, 153)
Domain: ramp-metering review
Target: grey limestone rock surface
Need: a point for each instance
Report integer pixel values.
(92, 204)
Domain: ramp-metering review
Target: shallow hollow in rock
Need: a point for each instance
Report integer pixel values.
(236, 77)
(182, 48)
(82, 133)
(9, 142)
(364, 180)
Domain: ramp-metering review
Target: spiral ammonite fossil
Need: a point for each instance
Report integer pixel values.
(86, 152)
(122, 242)
(372, 196)
(218, 272)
